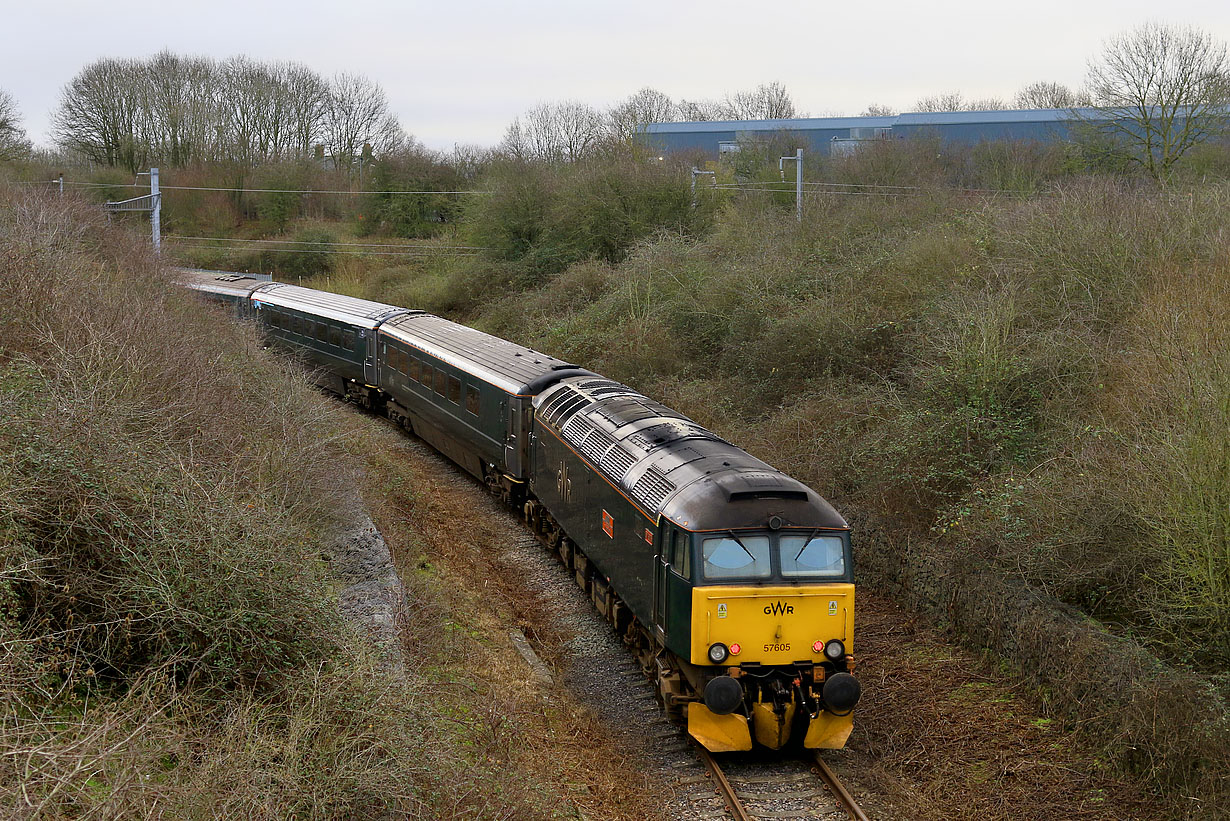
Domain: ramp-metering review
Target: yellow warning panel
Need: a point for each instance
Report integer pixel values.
(718, 734)
(828, 732)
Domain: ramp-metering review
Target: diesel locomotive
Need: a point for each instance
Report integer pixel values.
(730, 580)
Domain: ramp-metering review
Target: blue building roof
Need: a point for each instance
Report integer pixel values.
(825, 133)
(803, 124)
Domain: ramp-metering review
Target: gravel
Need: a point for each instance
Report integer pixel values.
(372, 592)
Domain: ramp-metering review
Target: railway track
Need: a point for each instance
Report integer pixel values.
(784, 788)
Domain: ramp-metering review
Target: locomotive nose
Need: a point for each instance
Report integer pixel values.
(841, 692)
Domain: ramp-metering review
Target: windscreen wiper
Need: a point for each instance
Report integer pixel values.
(742, 545)
(806, 542)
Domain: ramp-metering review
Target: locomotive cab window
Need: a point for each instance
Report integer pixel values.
(736, 557)
(816, 556)
(681, 554)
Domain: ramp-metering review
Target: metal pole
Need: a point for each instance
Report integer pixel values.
(696, 172)
(798, 185)
(61, 185)
(156, 213)
(798, 180)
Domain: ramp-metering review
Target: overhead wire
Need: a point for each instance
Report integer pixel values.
(347, 251)
(331, 242)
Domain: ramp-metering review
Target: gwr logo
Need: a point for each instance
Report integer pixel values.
(778, 609)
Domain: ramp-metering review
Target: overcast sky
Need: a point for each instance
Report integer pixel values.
(459, 71)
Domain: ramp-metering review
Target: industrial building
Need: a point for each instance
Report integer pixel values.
(839, 135)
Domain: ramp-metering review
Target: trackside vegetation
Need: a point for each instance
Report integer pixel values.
(170, 642)
(1020, 395)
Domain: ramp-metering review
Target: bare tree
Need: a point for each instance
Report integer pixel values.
(180, 100)
(698, 111)
(307, 100)
(1050, 95)
(101, 114)
(955, 101)
(877, 110)
(13, 142)
(554, 132)
(629, 118)
(358, 114)
(769, 101)
(1159, 91)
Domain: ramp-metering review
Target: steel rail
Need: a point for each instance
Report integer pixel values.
(724, 787)
(838, 789)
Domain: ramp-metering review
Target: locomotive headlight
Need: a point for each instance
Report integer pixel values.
(834, 649)
(718, 653)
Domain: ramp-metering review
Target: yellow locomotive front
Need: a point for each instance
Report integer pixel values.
(772, 636)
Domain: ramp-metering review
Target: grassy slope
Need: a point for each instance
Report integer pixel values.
(170, 636)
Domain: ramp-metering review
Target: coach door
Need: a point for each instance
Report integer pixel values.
(369, 355)
(512, 441)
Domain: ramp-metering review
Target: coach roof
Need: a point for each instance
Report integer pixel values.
(361, 313)
(511, 367)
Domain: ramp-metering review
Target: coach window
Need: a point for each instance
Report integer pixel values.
(441, 377)
(335, 337)
(415, 369)
(348, 340)
(454, 390)
(472, 399)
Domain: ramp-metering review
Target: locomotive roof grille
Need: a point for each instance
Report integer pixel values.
(577, 429)
(653, 488)
(563, 404)
(596, 445)
(617, 462)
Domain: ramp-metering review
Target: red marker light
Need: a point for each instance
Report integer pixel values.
(734, 649)
(818, 647)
